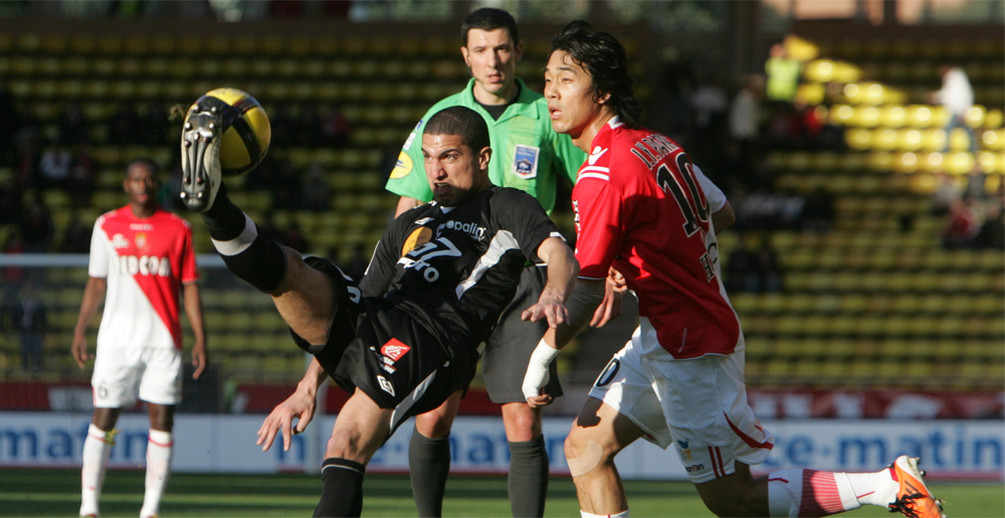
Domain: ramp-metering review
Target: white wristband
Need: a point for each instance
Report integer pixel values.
(537, 369)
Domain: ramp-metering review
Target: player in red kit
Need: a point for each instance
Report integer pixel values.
(141, 261)
(641, 209)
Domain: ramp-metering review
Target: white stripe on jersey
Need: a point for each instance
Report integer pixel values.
(600, 173)
(501, 243)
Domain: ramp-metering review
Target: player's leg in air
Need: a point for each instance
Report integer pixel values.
(302, 294)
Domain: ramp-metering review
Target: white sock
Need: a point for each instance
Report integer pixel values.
(622, 514)
(829, 492)
(159, 447)
(876, 488)
(97, 449)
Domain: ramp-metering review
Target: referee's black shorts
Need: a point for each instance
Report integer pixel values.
(508, 348)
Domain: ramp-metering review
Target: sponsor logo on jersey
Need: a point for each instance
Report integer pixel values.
(411, 136)
(119, 241)
(402, 166)
(525, 161)
(394, 349)
(694, 468)
(596, 154)
(417, 238)
(141, 265)
(385, 385)
(470, 228)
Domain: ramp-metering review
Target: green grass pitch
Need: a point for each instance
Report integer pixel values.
(56, 492)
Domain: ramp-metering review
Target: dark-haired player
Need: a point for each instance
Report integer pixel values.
(440, 276)
(679, 381)
(527, 154)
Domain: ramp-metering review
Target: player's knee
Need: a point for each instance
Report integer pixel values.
(346, 444)
(582, 453)
(433, 425)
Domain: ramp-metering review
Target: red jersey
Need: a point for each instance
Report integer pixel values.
(145, 262)
(640, 208)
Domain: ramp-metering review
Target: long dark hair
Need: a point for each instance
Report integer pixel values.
(603, 57)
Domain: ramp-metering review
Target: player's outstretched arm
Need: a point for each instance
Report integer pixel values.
(94, 292)
(562, 271)
(300, 405)
(193, 309)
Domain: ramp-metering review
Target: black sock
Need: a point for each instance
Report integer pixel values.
(246, 252)
(343, 488)
(224, 220)
(428, 466)
(528, 477)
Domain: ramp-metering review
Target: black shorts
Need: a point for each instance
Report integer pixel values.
(400, 364)
(508, 348)
(384, 352)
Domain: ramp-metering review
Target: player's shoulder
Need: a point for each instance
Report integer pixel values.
(511, 198)
(172, 218)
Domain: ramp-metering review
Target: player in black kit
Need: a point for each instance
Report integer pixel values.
(406, 340)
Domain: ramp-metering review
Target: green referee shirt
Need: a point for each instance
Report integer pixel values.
(527, 153)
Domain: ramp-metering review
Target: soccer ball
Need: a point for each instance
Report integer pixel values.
(246, 132)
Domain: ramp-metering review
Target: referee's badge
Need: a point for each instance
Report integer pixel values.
(525, 161)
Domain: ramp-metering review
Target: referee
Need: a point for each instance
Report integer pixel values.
(527, 155)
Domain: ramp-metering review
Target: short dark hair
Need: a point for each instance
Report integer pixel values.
(149, 162)
(603, 57)
(462, 121)
(489, 19)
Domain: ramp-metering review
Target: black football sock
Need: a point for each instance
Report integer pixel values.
(528, 477)
(343, 488)
(428, 466)
(246, 252)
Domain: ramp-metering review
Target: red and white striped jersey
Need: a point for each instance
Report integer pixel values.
(640, 208)
(145, 262)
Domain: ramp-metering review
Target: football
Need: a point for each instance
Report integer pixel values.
(246, 132)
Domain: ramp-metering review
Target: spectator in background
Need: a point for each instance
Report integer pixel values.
(76, 237)
(783, 73)
(124, 125)
(336, 130)
(315, 194)
(957, 96)
(976, 180)
(293, 237)
(11, 124)
(55, 165)
(946, 194)
(36, 226)
(744, 125)
(991, 235)
(709, 105)
(962, 224)
(72, 125)
(31, 319)
(11, 196)
(357, 263)
(818, 210)
(80, 184)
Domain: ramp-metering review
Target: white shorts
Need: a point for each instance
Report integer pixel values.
(123, 373)
(699, 405)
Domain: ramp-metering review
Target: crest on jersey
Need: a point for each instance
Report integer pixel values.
(402, 167)
(684, 449)
(417, 238)
(525, 161)
(394, 349)
(140, 239)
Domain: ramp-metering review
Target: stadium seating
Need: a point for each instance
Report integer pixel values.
(870, 302)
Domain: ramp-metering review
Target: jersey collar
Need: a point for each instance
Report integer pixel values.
(523, 106)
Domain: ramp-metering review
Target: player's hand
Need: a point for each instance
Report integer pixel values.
(78, 349)
(549, 307)
(200, 359)
(609, 309)
(300, 405)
